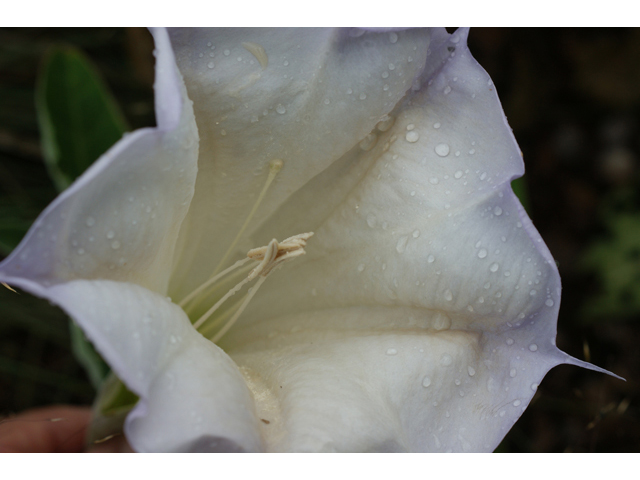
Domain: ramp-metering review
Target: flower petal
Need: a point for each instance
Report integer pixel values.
(370, 379)
(302, 96)
(423, 226)
(193, 397)
(120, 219)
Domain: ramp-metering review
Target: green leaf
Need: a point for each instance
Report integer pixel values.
(78, 117)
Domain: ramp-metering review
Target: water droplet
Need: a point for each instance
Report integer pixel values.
(362, 96)
(458, 174)
(549, 303)
(441, 321)
(442, 149)
(482, 253)
(412, 137)
(226, 52)
(393, 37)
(327, 101)
(210, 65)
(110, 234)
(402, 243)
(509, 341)
(533, 347)
(90, 221)
(446, 360)
(436, 125)
(447, 90)
(517, 403)
(392, 67)
(494, 267)
(280, 109)
(385, 123)
(448, 296)
(497, 211)
(385, 74)
(368, 142)
(502, 413)
(392, 351)
(371, 220)
(433, 180)
(431, 259)
(361, 267)
(173, 339)
(415, 234)
(513, 372)
(81, 251)
(471, 370)
(534, 386)
(285, 63)
(426, 381)
(115, 244)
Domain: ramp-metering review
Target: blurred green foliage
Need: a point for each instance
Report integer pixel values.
(79, 118)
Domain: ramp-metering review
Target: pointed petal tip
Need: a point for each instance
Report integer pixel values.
(580, 363)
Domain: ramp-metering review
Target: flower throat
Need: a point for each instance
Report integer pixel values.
(258, 263)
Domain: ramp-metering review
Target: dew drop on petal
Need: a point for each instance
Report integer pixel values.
(368, 142)
(431, 259)
(426, 381)
(110, 234)
(412, 136)
(497, 211)
(482, 253)
(513, 372)
(402, 243)
(549, 303)
(448, 296)
(392, 351)
(446, 360)
(442, 149)
(471, 371)
(415, 234)
(494, 267)
(533, 347)
(281, 109)
(90, 221)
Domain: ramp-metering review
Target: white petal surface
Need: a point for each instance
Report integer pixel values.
(425, 228)
(303, 96)
(120, 220)
(193, 397)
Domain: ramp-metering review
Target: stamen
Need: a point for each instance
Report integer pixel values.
(7, 286)
(274, 167)
(271, 256)
(211, 281)
(230, 323)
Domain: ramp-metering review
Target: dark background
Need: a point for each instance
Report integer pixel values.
(572, 97)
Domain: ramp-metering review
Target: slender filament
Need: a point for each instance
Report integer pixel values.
(274, 167)
(230, 323)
